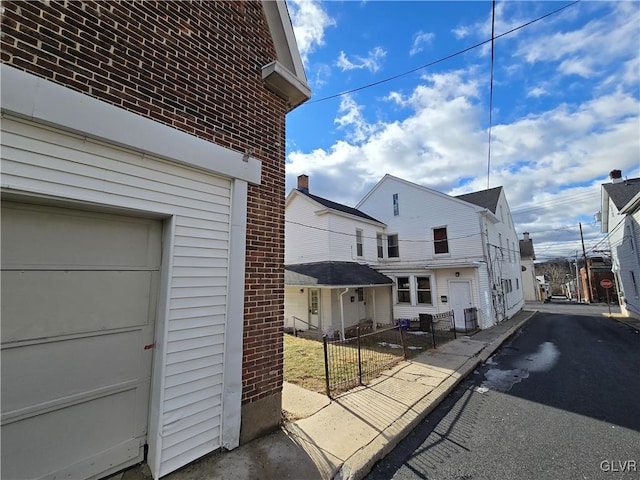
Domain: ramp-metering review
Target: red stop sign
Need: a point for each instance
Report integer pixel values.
(606, 283)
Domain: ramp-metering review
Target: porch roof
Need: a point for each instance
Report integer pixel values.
(333, 274)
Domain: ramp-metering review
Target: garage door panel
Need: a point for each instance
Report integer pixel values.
(69, 371)
(93, 428)
(38, 304)
(37, 237)
(79, 295)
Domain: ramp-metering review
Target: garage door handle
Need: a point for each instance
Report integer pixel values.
(149, 347)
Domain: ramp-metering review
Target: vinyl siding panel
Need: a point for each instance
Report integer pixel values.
(50, 162)
(306, 233)
(419, 212)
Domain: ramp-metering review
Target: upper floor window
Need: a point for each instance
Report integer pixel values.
(393, 251)
(440, 242)
(380, 245)
(424, 289)
(359, 246)
(403, 289)
(396, 207)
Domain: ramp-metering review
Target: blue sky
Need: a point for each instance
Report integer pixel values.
(566, 105)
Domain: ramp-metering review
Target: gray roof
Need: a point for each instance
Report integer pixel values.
(333, 274)
(623, 192)
(526, 249)
(483, 198)
(338, 206)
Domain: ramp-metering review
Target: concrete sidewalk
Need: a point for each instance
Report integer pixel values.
(344, 437)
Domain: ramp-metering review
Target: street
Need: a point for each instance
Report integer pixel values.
(560, 400)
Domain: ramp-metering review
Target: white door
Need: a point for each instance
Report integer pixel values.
(78, 307)
(460, 295)
(314, 307)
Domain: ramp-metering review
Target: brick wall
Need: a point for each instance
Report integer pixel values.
(197, 67)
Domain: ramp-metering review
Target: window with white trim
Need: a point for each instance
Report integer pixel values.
(393, 250)
(359, 246)
(380, 245)
(396, 206)
(440, 241)
(403, 288)
(424, 290)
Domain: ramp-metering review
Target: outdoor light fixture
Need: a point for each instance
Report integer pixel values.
(457, 274)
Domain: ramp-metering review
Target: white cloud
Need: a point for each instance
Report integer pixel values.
(371, 62)
(537, 92)
(309, 22)
(420, 40)
(461, 32)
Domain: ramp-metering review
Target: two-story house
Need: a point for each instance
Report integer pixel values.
(143, 173)
(329, 285)
(447, 253)
(621, 221)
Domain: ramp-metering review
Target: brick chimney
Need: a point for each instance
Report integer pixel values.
(303, 183)
(526, 236)
(615, 176)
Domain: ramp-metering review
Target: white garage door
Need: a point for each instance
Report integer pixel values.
(79, 293)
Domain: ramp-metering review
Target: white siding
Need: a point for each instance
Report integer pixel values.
(420, 211)
(624, 240)
(296, 305)
(315, 234)
(306, 234)
(190, 351)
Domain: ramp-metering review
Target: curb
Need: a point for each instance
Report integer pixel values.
(360, 463)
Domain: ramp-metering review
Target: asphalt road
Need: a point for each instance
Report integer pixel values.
(561, 400)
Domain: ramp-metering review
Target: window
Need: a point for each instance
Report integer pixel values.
(635, 285)
(440, 243)
(404, 292)
(396, 207)
(393, 250)
(314, 302)
(517, 284)
(359, 242)
(380, 244)
(360, 294)
(424, 290)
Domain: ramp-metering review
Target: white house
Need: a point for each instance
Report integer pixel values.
(329, 285)
(447, 253)
(621, 221)
(530, 285)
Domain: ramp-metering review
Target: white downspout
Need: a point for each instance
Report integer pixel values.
(342, 313)
(373, 310)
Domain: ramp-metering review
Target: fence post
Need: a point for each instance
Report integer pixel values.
(359, 356)
(403, 340)
(453, 323)
(326, 366)
(433, 330)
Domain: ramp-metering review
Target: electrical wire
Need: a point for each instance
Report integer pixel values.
(440, 60)
(493, 23)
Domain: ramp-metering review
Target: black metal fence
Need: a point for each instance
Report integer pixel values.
(366, 352)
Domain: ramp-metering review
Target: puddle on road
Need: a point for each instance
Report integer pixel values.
(503, 380)
(541, 361)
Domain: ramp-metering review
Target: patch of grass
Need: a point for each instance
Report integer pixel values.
(304, 363)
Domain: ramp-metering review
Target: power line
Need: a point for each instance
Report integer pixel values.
(440, 60)
(493, 23)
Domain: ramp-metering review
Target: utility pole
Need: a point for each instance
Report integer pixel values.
(586, 268)
(578, 278)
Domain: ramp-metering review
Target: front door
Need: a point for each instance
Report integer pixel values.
(460, 293)
(314, 307)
